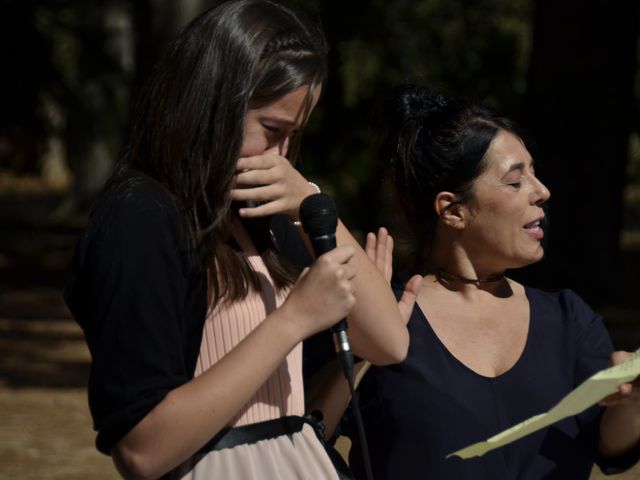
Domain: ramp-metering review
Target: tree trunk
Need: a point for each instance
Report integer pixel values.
(580, 113)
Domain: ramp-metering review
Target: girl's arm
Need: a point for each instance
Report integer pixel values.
(376, 328)
(190, 415)
(329, 392)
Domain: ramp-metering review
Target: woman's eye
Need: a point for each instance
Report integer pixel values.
(515, 184)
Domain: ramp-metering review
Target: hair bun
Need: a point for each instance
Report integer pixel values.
(413, 102)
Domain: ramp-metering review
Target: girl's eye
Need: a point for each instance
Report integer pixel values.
(271, 129)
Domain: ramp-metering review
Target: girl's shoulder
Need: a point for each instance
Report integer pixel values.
(136, 196)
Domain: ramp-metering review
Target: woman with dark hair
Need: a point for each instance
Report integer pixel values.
(485, 352)
(193, 316)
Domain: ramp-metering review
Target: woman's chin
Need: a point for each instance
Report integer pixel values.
(527, 260)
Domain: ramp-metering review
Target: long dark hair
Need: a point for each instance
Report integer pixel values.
(189, 122)
(435, 144)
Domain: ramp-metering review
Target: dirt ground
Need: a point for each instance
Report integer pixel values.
(45, 431)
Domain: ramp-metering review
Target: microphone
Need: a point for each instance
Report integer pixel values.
(319, 218)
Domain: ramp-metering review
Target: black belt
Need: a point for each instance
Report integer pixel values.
(246, 434)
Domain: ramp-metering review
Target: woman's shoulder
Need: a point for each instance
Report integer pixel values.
(563, 296)
(564, 302)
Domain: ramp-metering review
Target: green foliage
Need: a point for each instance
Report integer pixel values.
(478, 50)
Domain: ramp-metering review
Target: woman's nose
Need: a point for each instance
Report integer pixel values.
(541, 192)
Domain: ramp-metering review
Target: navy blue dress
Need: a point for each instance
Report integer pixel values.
(430, 405)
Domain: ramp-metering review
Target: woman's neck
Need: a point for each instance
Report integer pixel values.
(453, 268)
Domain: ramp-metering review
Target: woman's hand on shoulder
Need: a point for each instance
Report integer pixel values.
(628, 393)
(324, 294)
(272, 182)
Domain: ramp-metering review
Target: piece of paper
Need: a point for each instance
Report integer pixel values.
(591, 391)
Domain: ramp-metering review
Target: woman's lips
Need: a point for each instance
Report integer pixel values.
(535, 230)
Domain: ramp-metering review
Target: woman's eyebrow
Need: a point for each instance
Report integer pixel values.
(516, 166)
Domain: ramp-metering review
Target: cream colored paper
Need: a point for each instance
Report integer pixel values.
(592, 390)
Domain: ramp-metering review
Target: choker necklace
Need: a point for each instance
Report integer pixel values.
(445, 277)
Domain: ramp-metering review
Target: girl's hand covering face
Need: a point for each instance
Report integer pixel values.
(271, 181)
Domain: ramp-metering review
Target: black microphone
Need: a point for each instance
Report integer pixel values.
(319, 218)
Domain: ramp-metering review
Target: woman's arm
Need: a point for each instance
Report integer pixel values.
(190, 415)
(620, 424)
(376, 329)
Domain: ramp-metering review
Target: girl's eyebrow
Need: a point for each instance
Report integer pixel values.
(281, 120)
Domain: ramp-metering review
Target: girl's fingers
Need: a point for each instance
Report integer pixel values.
(350, 271)
(263, 210)
(389, 249)
(255, 177)
(409, 296)
(388, 267)
(260, 162)
(381, 249)
(370, 246)
(340, 254)
(258, 194)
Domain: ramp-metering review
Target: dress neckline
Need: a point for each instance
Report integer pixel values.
(423, 323)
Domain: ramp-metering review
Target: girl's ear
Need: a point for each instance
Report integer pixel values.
(450, 210)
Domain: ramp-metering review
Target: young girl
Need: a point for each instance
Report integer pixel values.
(193, 317)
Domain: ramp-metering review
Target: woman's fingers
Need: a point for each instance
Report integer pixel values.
(627, 392)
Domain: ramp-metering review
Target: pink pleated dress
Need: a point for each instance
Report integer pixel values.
(297, 456)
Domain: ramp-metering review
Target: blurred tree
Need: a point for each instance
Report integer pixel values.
(156, 23)
(474, 49)
(72, 65)
(98, 91)
(26, 56)
(66, 90)
(580, 110)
